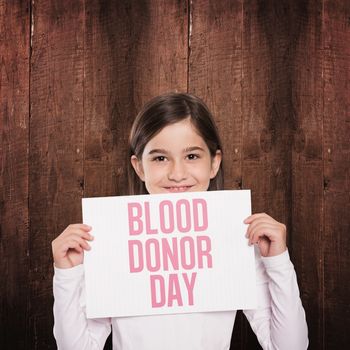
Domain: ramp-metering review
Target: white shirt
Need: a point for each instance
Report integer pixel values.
(278, 322)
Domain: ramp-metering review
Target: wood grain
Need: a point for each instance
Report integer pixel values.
(336, 72)
(14, 143)
(56, 147)
(215, 69)
(307, 164)
(133, 51)
(268, 120)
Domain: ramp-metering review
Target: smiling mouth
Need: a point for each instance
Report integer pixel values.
(178, 188)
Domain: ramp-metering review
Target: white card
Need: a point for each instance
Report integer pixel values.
(169, 253)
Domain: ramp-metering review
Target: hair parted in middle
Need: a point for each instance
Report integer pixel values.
(162, 111)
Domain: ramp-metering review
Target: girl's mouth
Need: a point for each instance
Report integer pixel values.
(175, 189)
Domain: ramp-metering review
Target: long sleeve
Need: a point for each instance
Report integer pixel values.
(72, 329)
(279, 321)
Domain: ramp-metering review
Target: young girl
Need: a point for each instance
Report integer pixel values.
(175, 147)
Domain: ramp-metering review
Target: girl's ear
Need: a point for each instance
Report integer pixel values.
(137, 165)
(215, 164)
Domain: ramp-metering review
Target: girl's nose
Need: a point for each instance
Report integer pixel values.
(177, 172)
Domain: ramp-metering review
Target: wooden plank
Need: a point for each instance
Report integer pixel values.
(307, 164)
(268, 119)
(215, 69)
(267, 112)
(215, 75)
(14, 143)
(56, 147)
(336, 71)
(133, 51)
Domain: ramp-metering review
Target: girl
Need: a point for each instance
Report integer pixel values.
(175, 147)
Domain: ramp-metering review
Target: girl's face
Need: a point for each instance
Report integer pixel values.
(177, 159)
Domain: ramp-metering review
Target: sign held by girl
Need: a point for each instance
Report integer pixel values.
(169, 253)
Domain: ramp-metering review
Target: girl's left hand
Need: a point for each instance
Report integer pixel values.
(269, 234)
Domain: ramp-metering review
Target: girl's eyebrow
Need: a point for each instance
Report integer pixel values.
(186, 150)
(194, 148)
(157, 150)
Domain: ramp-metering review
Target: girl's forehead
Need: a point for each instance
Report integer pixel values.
(180, 135)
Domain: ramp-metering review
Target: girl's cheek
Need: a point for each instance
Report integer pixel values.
(151, 167)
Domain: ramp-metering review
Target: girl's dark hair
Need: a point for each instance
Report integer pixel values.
(168, 109)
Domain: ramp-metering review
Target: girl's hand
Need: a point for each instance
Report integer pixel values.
(68, 248)
(269, 234)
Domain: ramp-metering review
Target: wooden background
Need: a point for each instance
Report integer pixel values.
(275, 73)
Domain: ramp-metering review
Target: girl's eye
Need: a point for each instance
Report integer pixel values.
(192, 156)
(159, 158)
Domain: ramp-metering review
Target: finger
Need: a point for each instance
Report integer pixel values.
(276, 227)
(272, 233)
(84, 227)
(67, 245)
(80, 238)
(76, 243)
(76, 246)
(87, 236)
(256, 223)
(261, 223)
(82, 242)
(79, 232)
(62, 244)
(265, 230)
(250, 218)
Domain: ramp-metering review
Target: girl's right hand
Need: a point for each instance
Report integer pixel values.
(68, 248)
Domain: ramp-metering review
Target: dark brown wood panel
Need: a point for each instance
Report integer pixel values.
(133, 51)
(336, 71)
(307, 164)
(215, 75)
(267, 109)
(268, 119)
(56, 147)
(14, 143)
